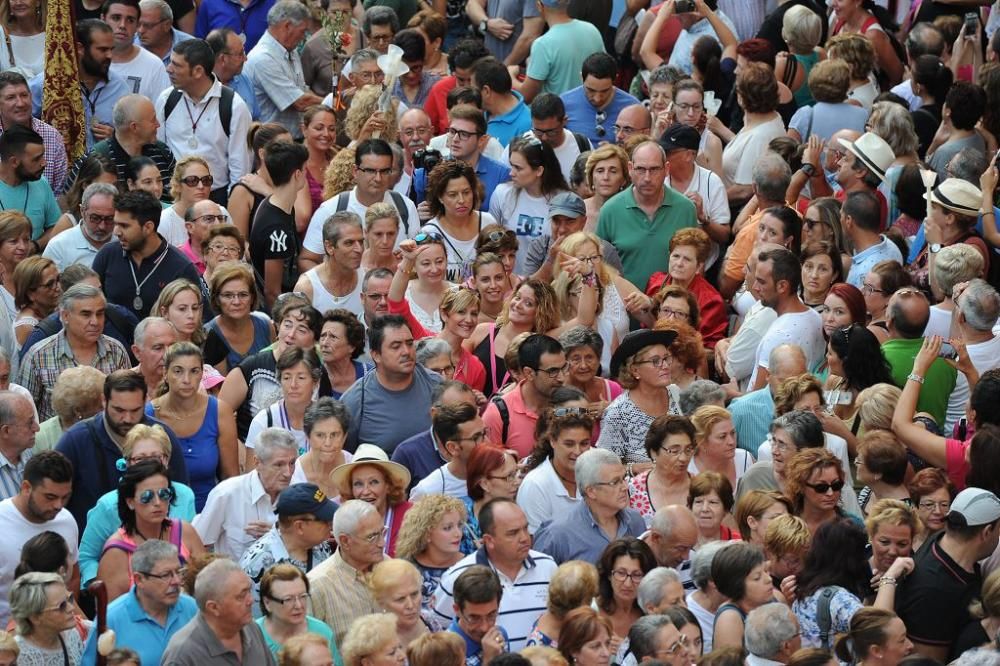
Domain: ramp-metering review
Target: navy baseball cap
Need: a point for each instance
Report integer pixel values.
(300, 498)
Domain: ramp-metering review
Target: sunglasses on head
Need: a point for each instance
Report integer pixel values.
(560, 412)
(824, 487)
(165, 495)
(193, 181)
(428, 237)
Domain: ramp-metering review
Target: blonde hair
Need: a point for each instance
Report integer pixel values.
(441, 648)
(606, 152)
(753, 504)
(893, 512)
(389, 573)
(182, 165)
(544, 655)
(988, 604)
(876, 405)
(5, 17)
(546, 310)
(801, 29)
(339, 176)
(461, 298)
(707, 417)
(8, 644)
(291, 652)
(380, 211)
(142, 431)
(425, 514)
(364, 104)
(28, 277)
(367, 634)
(14, 223)
(854, 49)
(166, 299)
(794, 389)
(82, 386)
(785, 535)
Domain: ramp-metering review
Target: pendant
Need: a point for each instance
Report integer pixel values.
(137, 302)
(193, 143)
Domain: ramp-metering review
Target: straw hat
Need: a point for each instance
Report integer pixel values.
(371, 454)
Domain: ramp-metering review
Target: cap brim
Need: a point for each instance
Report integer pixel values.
(325, 511)
(566, 212)
(637, 341)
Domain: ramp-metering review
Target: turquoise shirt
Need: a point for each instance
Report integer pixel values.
(313, 626)
(135, 629)
(36, 200)
(557, 67)
(508, 126)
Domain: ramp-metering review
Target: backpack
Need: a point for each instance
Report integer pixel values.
(582, 142)
(225, 106)
(501, 406)
(823, 619)
(397, 201)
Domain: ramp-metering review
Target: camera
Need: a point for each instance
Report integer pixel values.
(426, 159)
(684, 6)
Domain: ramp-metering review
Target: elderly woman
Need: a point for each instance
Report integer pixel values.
(77, 395)
(491, 473)
(584, 348)
(441, 648)
(381, 232)
(238, 330)
(372, 641)
(36, 294)
(755, 511)
(789, 433)
(145, 494)
(701, 392)
(284, 599)
(814, 480)
(705, 599)
(222, 243)
(829, 82)
(894, 124)
(710, 499)
(341, 342)
(739, 572)
(642, 365)
(573, 585)
(876, 405)
(325, 424)
(802, 30)
(621, 568)
(659, 590)
(715, 445)
(42, 610)
(299, 371)
(430, 538)
(892, 526)
(670, 444)
(607, 174)
(859, 54)
(372, 478)
(305, 650)
(687, 351)
(396, 584)
(931, 492)
(757, 96)
(880, 283)
(953, 264)
(881, 463)
(587, 638)
(674, 302)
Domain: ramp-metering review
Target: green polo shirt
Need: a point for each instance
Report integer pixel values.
(644, 244)
(938, 384)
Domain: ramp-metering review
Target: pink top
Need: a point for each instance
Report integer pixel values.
(956, 466)
(188, 251)
(315, 190)
(521, 429)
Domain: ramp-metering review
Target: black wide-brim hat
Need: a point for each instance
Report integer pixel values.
(635, 342)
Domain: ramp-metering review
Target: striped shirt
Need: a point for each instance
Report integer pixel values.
(159, 152)
(11, 474)
(340, 595)
(524, 598)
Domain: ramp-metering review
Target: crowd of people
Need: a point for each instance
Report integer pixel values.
(502, 333)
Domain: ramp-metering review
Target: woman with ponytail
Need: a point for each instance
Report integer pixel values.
(930, 80)
(876, 637)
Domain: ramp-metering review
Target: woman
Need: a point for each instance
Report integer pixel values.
(319, 130)
(453, 200)
(843, 307)
(894, 123)
(892, 526)
(372, 641)
(689, 109)
(396, 585)
(77, 395)
(430, 538)
(522, 204)
(931, 491)
(424, 279)
(692, 638)
(381, 233)
(191, 183)
(877, 404)
(739, 573)
(341, 342)
(855, 360)
(860, 55)
(821, 268)
(435, 355)
(930, 81)
(141, 173)
(180, 303)
(203, 424)
(953, 265)
(670, 445)
(710, 499)
(299, 372)
(755, 510)
(15, 243)
(688, 353)
(857, 17)
(675, 302)
(325, 424)
(222, 243)
(491, 473)
(829, 82)
(813, 481)
(145, 494)
(689, 249)
(284, 597)
(757, 96)
(490, 281)
(372, 478)
(573, 585)
(620, 569)
(36, 293)
(881, 463)
(880, 283)
(95, 168)
(584, 347)
(715, 445)
(48, 552)
(305, 650)
(441, 648)
(822, 223)
(43, 612)
(802, 31)
(587, 638)
(876, 637)
(24, 33)
(247, 195)
(607, 175)
(239, 330)
(781, 225)
(642, 365)
(496, 239)
(836, 562)
(433, 27)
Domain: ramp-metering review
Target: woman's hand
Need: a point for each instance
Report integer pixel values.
(788, 586)
(814, 148)
(963, 364)
(900, 567)
(410, 251)
(988, 184)
(637, 302)
(833, 424)
(716, 127)
(375, 123)
(929, 351)
(573, 266)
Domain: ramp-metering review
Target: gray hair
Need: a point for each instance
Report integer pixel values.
(666, 74)
(78, 292)
(701, 563)
(581, 336)
(375, 274)
(212, 580)
(956, 263)
(8, 406)
(968, 164)
(642, 636)
(650, 591)
(701, 392)
(428, 348)
(166, 13)
(894, 124)
(271, 440)
(150, 552)
(589, 465)
(397, 159)
(124, 111)
(323, 409)
(93, 190)
(380, 15)
(287, 10)
(979, 304)
(140, 329)
(364, 55)
(29, 596)
(331, 228)
(767, 627)
(349, 516)
(771, 176)
(804, 427)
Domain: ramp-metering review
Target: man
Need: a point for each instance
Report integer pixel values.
(99, 87)
(907, 316)
(273, 239)
(228, 69)
(375, 291)
(702, 186)
(553, 68)
(467, 139)
(592, 108)
(135, 269)
(275, 67)
(305, 520)
(212, 121)
(508, 27)
(15, 110)
(146, 617)
(153, 336)
(461, 58)
(641, 220)
(198, 222)
(415, 134)
(754, 411)
(18, 426)
(859, 218)
(548, 125)
(776, 285)
(544, 368)
(923, 39)
(249, 20)
(94, 445)
(633, 119)
(975, 303)
(240, 509)
(673, 533)
(79, 244)
(737, 355)
(771, 635)
(694, 25)
(156, 32)
(523, 573)
(862, 168)
(361, 70)
(424, 453)
(223, 630)
(655, 638)
(81, 342)
(567, 215)
(134, 134)
(336, 283)
(143, 71)
(38, 507)
(398, 386)
(372, 167)
(461, 430)
(379, 26)
(414, 49)
(963, 107)
(602, 516)
(507, 116)
(22, 162)
(476, 609)
(933, 600)
(339, 587)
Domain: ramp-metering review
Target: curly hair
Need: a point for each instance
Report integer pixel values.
(757, 88)
(696, 238)
(367, 635)
(677, 291)
(550, 426)
(688, 347)
(442, 175)
(801, 467)
(854, 49)
(355, 330)
(794, 389)
(339, 176)
(546, 310)
(364, 104)
(573, 584)
(829, 81)
(425, 514)
(624, 547)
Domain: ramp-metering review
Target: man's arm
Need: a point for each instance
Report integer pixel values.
(531, 30)
(308, 99)
(529, 89)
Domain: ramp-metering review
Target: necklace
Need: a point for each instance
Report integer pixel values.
(137, 301)
(179, 414)
(562, 478)
(146, 538)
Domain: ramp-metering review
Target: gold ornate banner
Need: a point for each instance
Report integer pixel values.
(62, 106)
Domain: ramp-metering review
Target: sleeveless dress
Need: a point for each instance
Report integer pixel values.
(496, 367)
(122, 541)
(15, 359)
(216, 343)
(201, 452)
(258, 199)
(315, 191)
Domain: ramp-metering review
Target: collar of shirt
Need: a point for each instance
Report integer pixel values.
(483, 558)
(267, 42)
(346, 570)
(583, 512)
(63, 349)
(255, 489)
(212, 644)
(631, 202)
(277, 545)
(515, 401)
(151, 259)
(4, 462)
(137, 614)
(214, 91)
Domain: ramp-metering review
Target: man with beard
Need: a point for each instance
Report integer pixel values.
(37, 508)
(15, 109)
(22, 161)
(94, 445)
(99, 87)
(336, 283)
(144, 72)
(79, 244)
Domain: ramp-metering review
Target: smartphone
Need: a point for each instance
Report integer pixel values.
(971, 24)
(686, 6)
(948, 352)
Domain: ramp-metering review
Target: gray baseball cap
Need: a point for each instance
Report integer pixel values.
(568, 204)
(974, 506)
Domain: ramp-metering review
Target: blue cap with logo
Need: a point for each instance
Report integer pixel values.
(300, 498)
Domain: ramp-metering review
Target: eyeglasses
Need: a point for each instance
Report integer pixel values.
(176, 573)
(868, 289)
(425, 237)
(642, 172)
(625, 130)
(542, 133)
(670, 313)
(621, 576)
(930, 505)
(371, 77)
(656, 361)
(599, 119)
(368, 171)
(212, 219)
(477, 438)
(51, 284)
(291, 600)
(613, 483)
(554, 372)
(239, 55)
(686, 452)
(165, 495)
(676, 646)
(591, 259)
(560, 412)
(375, 537)
(234, 296)
(222, 248)
(462, 134)
(65, 606)
(824, 487)
(509, 478)
(688, 108)
(138, 459)
(94, 218)
(194, 181)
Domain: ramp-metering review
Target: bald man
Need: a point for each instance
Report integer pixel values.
(672, 534)
(753, 412)
(633, 119)
(415, 133)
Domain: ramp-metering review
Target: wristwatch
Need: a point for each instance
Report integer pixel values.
(482, 27)
(935, 248)
(808, 169)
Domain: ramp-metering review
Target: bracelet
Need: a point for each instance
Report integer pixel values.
(915, 377)
(887, 580)
(984, 213)
(590, 280)
(628, 469)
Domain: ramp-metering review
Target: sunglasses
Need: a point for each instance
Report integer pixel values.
(193, 181)
(165, 495)
(497, 236)
(560, 412)
(599, 119)
(423, 238)
(824, 487)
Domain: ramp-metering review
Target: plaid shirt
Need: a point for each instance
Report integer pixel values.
(56, 161)
(46, 361)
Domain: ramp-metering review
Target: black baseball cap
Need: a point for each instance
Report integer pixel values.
(680, 137)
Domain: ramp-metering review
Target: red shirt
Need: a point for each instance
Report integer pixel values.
(436, 105)
(714, 320)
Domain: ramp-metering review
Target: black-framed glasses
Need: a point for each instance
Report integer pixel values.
(291, 600)
(213, 219)
(475, 438)
(542, 133)
(656, 361)
(823, 487)
(94, 218)
(368, 171)
(222, 248)
(194, 181)
(599, 118)
(930, 505)
(166, 575)
(165, 495)
(462, 134)
(552, 373)
(621, 575)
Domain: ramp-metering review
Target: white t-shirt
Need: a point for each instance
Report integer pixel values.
(172, 226)
(742, 355)
(278, 419)
(566, 153)
(715, 204)
(742, 460)
(313, 240)
(740, 154)
(29, 53)
(145, 75)
(984, 356)
(461, 253)
(543, 496)
(804, 329)
(524, 214)
(440, 482)
(939, 322)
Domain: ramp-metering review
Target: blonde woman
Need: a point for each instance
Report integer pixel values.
(893, 527)
(372, 641)
(180, 303)
(15, 243)
(715, 445)
(381, 232)
(440, 649)
(43, 612)
(574, 584)
(431, 538)
(77, 395)
(22, 44)
(802, 30)
(36, 293)
(192, 182)
(396, 584)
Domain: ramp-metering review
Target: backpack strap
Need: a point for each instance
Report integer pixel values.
(225, 106)
(404, 213)
(342, 202)
(582, 142)
(504, 412)
(172, 100)
(823, 619)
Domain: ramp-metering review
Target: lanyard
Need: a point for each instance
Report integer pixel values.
(27, 190)
(195, 121)
(388, 527)
(92, 103)
(137, 303)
